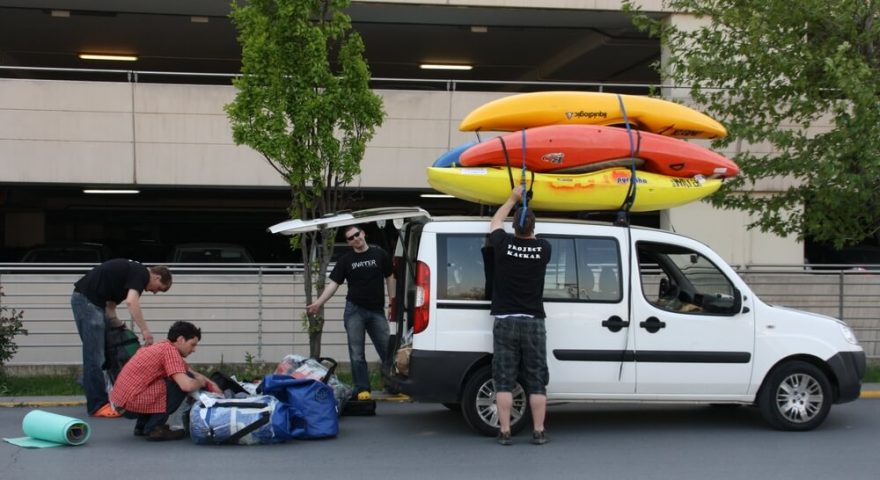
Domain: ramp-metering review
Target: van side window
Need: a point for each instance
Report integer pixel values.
(583, 269)
(561, 277)
(462, 269)
(599, 268)
(680, 280)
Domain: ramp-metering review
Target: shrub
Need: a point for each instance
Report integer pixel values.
(10, 326)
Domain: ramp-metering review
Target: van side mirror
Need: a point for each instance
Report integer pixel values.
(738, 302)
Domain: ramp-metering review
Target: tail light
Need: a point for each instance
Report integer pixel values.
(423, 297)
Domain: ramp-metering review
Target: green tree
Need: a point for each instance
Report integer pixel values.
(304, 103)
(771, 71)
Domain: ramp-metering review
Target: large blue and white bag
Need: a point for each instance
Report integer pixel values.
(242, 421)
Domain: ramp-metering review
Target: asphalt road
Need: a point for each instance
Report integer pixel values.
(415, 441)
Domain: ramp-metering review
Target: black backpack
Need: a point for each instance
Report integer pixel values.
(120, 344)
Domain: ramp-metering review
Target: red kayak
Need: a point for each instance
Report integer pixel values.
(585, 148)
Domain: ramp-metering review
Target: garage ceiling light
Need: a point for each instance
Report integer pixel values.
(117, 58)
(440, 66)
(102, 191)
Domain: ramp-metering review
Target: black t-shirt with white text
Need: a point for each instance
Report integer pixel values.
(111, 281)
(520, 264)
(366, 273)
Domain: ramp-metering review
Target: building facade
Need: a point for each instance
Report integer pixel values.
(156, 125)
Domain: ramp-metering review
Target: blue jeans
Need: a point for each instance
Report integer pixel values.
(357, 321)
(174, 396)
(91, 325)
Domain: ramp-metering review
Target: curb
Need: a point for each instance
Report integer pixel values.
(43, 403)
(391, 398)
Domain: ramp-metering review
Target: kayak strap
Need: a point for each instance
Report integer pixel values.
(522, 178)
(635, 141)
(527, 196)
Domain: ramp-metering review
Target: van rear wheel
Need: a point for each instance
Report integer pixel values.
(479, 409)
(796, 396)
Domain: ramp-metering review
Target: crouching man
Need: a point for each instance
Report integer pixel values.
(154, 383)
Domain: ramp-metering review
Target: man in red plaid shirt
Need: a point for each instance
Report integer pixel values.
(155, 381)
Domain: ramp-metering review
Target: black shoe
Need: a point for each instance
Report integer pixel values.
(538, 438)
(138, 431)
(504, 439)
(163, 433)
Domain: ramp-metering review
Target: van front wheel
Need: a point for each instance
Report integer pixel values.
(479, 409)
(796, 396)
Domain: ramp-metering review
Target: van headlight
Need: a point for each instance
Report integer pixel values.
(848, 334)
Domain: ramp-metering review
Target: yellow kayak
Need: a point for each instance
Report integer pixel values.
(538, 109)
(594, 191)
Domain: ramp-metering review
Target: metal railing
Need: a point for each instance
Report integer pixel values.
(257, 309)
(243, 310)
(137, 76)
(840, 291)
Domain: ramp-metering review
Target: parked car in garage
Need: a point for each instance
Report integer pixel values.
(210, 253)
(72, 252)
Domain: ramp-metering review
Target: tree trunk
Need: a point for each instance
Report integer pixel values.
(315, 339)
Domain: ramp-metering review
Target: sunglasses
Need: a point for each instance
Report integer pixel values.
(353, 236)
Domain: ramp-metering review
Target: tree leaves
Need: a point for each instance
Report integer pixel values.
(305, 104)
(796, 85)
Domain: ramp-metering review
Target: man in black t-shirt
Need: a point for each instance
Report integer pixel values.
(519, 336)
(94, 300)
(365, 268)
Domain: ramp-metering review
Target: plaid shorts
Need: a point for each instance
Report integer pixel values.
(520, 345)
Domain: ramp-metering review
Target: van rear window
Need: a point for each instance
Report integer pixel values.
(462, 263)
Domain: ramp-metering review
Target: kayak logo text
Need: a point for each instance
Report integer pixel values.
(686, 182)
(625, 180)
(585, 114)
(554, 158)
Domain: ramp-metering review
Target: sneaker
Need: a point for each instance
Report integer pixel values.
(107, 411)
(365, 395)
(163, 433)
(504, 438)
(539, 438)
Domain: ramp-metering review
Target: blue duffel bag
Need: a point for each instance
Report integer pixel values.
(310, 404)
(242, 421)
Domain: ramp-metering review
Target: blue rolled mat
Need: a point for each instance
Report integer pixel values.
(47, 429)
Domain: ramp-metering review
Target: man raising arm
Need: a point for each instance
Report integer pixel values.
(519, 336)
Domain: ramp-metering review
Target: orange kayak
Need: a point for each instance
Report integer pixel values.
(587, 148)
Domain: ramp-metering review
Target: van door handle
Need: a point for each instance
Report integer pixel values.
(652, 325)
(615, 323)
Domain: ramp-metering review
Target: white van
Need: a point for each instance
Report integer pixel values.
(633, 315)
